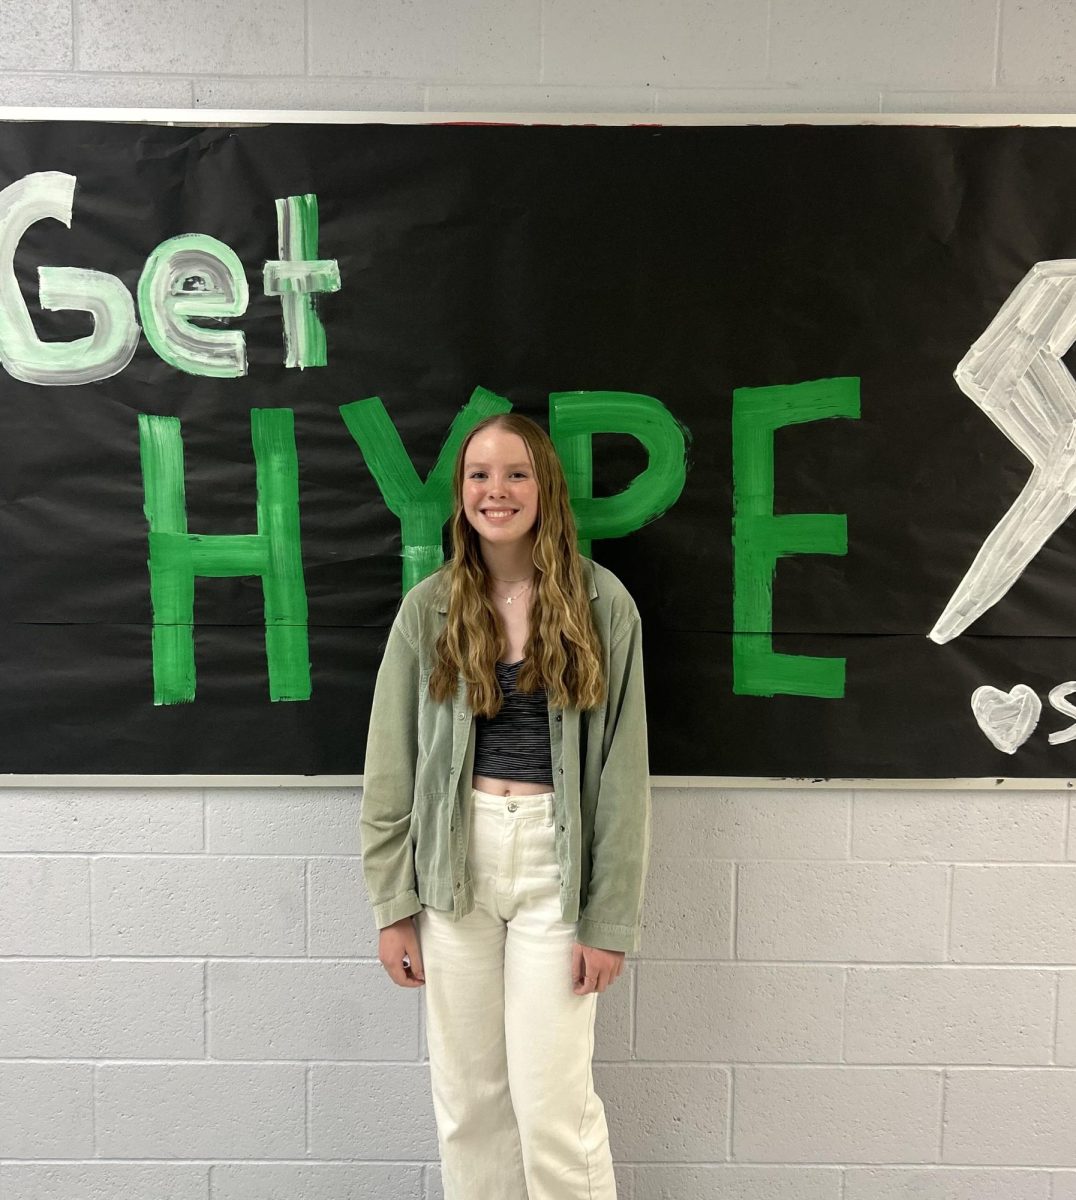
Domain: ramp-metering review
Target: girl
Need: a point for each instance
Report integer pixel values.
(506, 821)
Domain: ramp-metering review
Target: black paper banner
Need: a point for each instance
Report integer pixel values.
(854, 338)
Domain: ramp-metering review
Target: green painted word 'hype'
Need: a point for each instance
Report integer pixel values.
(177, 557)
(759, 537)
(273, 552)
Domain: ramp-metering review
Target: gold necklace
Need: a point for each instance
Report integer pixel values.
(509, 599)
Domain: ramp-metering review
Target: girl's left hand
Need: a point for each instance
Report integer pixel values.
(593, 970)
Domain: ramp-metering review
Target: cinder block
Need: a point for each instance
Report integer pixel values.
(200, 1110)
(371, 1111)
(103, 820)
(44, 905)
(301, 92)
(1036, 45)
(1000, 100)
(668, 1181)
(663, 1113)
(750, 823)
(1014, 914)
(932, 826)
(96, 91)
(841, 911)
(896, 42)
(942, 1183)
(36, 38)
(282, 821)
(46, 1110)
(836, 1114)
(612, 1026)
(318, 1181)
(949, 1015)
(196, 37)
(303, 1010)
(341, 920)
(198, 905)
(103, 1181)
(1066, 1019)
(100, 1009)
(425, 40)
(1064, 1185)
(687, 910)
(766, 100)
(1013, 1118)
(738, 1012)
(688, 45)
(538, 98)
(38, 90)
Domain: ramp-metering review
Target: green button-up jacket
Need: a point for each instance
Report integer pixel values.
(419, 763)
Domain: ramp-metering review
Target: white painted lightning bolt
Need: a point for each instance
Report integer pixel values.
(1014, 373)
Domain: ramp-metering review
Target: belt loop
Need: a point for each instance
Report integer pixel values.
(550, 811)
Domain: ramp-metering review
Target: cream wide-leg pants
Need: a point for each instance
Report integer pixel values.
(511, 1045)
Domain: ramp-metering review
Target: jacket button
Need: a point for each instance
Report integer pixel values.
(560, 770)
(558, 716)
(459, 717)
(457, 887)
(452, 829)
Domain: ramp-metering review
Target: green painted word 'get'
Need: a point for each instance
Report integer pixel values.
(186, 277)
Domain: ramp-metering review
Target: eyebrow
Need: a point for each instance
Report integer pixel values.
(482, 464)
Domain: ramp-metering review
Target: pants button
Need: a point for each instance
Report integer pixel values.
(512, 806)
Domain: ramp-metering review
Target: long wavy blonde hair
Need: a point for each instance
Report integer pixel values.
(563, 653)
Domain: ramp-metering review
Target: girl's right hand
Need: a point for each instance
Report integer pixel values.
(397, 942)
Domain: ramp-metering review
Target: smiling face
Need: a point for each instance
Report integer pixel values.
(500, 492)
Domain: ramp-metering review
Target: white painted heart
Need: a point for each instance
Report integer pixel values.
(1007, 718)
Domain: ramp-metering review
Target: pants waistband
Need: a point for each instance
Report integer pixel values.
(539, 805)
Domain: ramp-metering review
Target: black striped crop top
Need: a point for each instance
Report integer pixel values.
(515, 743)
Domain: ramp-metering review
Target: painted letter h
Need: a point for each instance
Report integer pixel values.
(177, 557)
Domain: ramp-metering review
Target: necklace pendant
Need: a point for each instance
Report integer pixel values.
(509, 599)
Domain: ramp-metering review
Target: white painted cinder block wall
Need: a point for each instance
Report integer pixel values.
(842, 995)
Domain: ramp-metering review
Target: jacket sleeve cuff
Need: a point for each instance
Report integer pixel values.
(406, 904)
(607, 937)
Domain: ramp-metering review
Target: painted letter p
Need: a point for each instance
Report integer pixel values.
(574, 418)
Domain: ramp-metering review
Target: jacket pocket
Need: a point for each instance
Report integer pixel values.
(429, 834)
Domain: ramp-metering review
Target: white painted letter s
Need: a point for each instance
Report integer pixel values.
(1059, 699)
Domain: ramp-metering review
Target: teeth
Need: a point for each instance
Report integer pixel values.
(503, 512)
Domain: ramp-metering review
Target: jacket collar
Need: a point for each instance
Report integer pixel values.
(588, 581)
